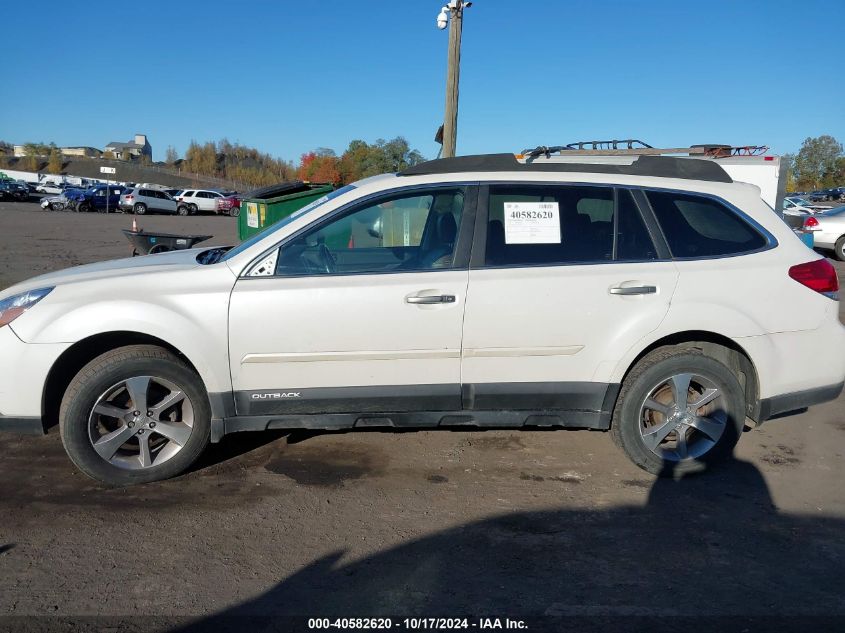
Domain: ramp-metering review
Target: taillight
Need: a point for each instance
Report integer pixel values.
(810, 223)
(129, 197)
(818, 275)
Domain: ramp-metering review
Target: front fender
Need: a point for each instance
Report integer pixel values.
(199, 333)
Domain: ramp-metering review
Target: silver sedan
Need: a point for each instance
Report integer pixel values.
(828, 229)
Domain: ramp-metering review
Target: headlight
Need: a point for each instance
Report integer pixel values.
(13, 307)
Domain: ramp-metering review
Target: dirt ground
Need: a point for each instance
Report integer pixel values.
(557, 528)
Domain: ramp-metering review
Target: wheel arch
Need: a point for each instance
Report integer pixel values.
(82, 352)
(718, 347)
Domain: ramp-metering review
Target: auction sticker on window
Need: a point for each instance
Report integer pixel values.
(532, 223)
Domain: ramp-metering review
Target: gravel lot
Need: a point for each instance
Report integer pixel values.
(495, 524)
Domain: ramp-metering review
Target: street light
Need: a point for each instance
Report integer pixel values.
(453, 15)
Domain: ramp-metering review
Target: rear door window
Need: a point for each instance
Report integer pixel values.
(563, 224)
(698, 226)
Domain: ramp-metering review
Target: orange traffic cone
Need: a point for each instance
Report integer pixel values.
(134, 225)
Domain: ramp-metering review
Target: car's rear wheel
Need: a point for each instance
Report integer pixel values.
(235, 211)
(678, 411)
(839, 249)
(140, 208)
(133, 415)
(182, 210)
(56, 206)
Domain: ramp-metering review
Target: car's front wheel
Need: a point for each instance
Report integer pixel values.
(133, 415)
(678, 411)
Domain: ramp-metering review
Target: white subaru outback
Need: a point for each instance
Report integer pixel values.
(654, 298)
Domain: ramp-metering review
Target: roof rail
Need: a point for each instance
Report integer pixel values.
(656, 166)
(636, 147)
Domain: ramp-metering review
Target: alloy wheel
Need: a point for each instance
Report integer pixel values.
(140, 422)
(683, 417)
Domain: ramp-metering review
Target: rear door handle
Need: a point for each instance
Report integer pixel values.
(633, 290)
(431, 299)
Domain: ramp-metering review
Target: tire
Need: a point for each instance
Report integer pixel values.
(839, 249)
(651, 439)
(182, 210)
(56, 206)
(140, 208)
(193, 209)
(235, 211)
(83, 207)
(189, 420)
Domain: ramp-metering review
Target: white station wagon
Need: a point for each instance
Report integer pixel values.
(652, 297)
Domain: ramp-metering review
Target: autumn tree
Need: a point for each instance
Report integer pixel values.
(315, 167)
(171, 155)
(55, 164)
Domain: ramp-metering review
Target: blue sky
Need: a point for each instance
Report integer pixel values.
(287, 77)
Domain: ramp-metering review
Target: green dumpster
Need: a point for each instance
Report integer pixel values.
(267, 206)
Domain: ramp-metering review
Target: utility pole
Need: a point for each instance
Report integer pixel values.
(454, 12)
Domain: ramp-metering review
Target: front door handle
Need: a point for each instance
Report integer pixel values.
(431, 299)
(633, 290)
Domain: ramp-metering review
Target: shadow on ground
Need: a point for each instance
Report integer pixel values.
(708, 545)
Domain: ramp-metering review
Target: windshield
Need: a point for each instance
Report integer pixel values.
(284, 222)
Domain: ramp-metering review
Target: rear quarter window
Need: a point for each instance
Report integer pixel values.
(697, 226)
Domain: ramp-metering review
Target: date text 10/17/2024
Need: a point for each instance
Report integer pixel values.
(416, 624)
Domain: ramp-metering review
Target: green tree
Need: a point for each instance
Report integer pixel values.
(815, 164)
(55, 164)
(361, 159)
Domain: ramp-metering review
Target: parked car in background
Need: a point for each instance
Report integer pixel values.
(828, 229)
(229, 205)
(823, 194)
(173, 193)
(55, 188)
(49, 187)
(14, 190)
(101, 198)
(140, 201)
(56, 203)
(837, 193)
(196, 200)
(792, 203)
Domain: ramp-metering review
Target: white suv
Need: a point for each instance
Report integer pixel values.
(195, 200)
(654, 298)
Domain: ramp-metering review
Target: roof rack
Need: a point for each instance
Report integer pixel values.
(636, 147)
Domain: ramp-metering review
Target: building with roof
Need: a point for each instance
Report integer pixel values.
(131, 149)
(86, 152)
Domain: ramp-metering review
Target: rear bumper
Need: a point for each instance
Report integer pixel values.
(25, 426)
(797, 401)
